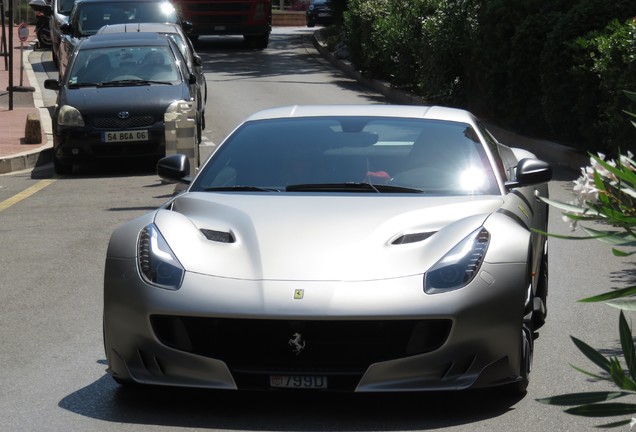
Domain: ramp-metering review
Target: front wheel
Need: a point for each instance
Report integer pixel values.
(258, 41)
(44, 37)
(62, 168)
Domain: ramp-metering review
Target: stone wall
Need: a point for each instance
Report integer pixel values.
(288, 18)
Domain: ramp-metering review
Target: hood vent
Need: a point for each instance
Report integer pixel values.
(218, 236)
(412, 238)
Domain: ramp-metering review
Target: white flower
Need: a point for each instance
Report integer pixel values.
(585, 189)
(632, 423)
(572, 222)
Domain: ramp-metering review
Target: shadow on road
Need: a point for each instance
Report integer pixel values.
(283, 411)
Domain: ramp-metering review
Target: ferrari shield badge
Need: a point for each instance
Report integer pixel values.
(298, 294)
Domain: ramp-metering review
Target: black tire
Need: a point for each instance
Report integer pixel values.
(527, 351)
(257, 41)
(62, 168)
(526, 345)
(542, 290)
(311, 24)
(44, 38)
(199, 130)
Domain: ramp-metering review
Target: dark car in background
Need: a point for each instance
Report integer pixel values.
(178, 35)
(88, 16)
(113, 99)
(58, 12)
(319, 12)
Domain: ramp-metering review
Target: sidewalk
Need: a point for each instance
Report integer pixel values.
(15, 153)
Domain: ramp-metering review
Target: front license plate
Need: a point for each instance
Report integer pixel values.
(324, 15)
(125, 136)
(298, 382)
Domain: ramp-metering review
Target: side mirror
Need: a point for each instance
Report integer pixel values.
(192, 79)
(66, 29)
(530, 172)
(174, 169)
(187, 26)
(52, 84)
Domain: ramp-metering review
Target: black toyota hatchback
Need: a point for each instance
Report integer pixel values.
(113, 99)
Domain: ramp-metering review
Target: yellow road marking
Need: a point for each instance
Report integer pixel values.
(25, 194)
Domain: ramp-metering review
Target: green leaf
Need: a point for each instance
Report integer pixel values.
(620, 253)
(619, 293)
(627, 344)
(611, 237)
(583, 371)
(626, 174)
(568, 207)
(585, 398)
(630, 94)
(619, 376)
(623, 304)
(602, 410)
(592, 354)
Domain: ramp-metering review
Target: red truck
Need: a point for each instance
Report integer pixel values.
(250, 18)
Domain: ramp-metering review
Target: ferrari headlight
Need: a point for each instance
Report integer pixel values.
(157, 263)
(459, 266)
(69, 116)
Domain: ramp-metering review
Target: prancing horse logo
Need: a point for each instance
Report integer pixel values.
(297, 343)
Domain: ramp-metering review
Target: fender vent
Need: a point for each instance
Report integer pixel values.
(412, 238)
(218, 236)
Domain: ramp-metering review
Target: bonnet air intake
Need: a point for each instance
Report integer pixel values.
(218, 236)
(412, 238)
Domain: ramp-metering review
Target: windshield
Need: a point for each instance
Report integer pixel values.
(142, 63)
(94, 16)
(65, 6)
(348, 154)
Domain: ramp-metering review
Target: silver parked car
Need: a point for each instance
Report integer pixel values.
(360, 248)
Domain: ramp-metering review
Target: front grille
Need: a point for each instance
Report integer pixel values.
(126, 149)
(334, 348)
(117, 123)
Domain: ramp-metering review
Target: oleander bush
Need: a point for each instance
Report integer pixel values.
(543, 67)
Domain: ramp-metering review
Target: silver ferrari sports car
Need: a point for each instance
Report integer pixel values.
(369, 248)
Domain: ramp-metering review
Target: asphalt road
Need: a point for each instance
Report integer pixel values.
(53, 236)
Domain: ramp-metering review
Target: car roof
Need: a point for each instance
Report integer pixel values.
(408, 111)
(140, 28)
(124, 40)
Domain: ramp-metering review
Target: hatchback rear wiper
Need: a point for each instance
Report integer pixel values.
(240, 188)
(350, 187)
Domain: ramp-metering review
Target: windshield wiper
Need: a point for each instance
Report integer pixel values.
(132, 82)
(350, 187)
(240, 188)
(84, 84)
